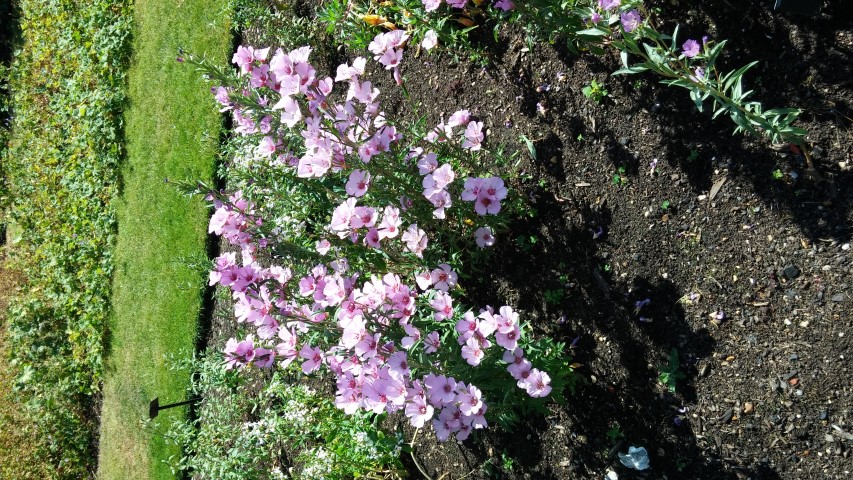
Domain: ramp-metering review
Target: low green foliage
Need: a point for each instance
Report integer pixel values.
(619, 178)
(67, 87)
(238, 436)
(594, 91)
(670, 373)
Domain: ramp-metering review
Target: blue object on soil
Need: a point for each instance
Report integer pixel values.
(636, 458)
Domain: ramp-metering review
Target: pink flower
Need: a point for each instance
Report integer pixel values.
(390, 225)
(457, 3)
(441, 390)
(362, 91)
(264, 358)
(484, 237)
(443, 277)
(472, 352)
(430, 40)
(508, 338)
(391, 58)
(367, 347)
(470, 401)
(347, 73)
(313, 358)
(443, 176)
(519, 368)
(431, 5)
(415, 239)
(239, 354)
(538, 384)
(418, 411)
(427, 163)
(698, 75)
(440, 200)
(342, 215)
(363, 217)
(432, 342)
(358, 182)
(630, 20)
(322, 246)
(473, 136)
(267, 146)
(460, 117)
(412, 336)
(243, 58)
(443, 306)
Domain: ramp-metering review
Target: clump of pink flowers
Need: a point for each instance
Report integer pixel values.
(385, 334)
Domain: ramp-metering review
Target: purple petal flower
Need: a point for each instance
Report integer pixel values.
(690, 48)
(630, 20)
(608, 4)
(698, 75)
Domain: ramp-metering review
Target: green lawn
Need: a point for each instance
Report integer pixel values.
(172, 129)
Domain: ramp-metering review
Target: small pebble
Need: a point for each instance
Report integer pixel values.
(791, 272)
(748, 408)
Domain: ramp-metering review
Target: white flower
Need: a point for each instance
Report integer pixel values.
(430, 40)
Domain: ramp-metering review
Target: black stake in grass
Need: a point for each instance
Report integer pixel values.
(154, 407)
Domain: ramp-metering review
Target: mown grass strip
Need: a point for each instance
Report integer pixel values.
(172, 133)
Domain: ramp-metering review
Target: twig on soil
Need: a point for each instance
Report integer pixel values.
(412, 453)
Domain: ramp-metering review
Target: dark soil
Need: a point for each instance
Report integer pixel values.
(768, 388)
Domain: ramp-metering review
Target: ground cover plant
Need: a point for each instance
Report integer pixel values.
(66, 88)
(239, 436)
(728, 287)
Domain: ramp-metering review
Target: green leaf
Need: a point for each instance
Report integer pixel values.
(531, 149)
(639, 68)
(592, 32)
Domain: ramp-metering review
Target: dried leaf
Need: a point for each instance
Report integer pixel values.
(716, 188)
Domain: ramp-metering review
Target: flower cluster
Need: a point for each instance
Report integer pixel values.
(387, 49)
(432, 5)
(386, 342)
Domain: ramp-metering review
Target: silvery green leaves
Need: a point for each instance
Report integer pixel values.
(696, 71)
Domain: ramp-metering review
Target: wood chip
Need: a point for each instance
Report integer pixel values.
(583, 184)
(716, 188)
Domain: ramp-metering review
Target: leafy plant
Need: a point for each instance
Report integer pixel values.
(777, 174)
(237, 436)
(554, 296)
(61, 168)
(619, 178)
(665, 205)
(615, 433)
(507, 462)
(365, 227)
(595, 91)
(670, 373)
(693, 155)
